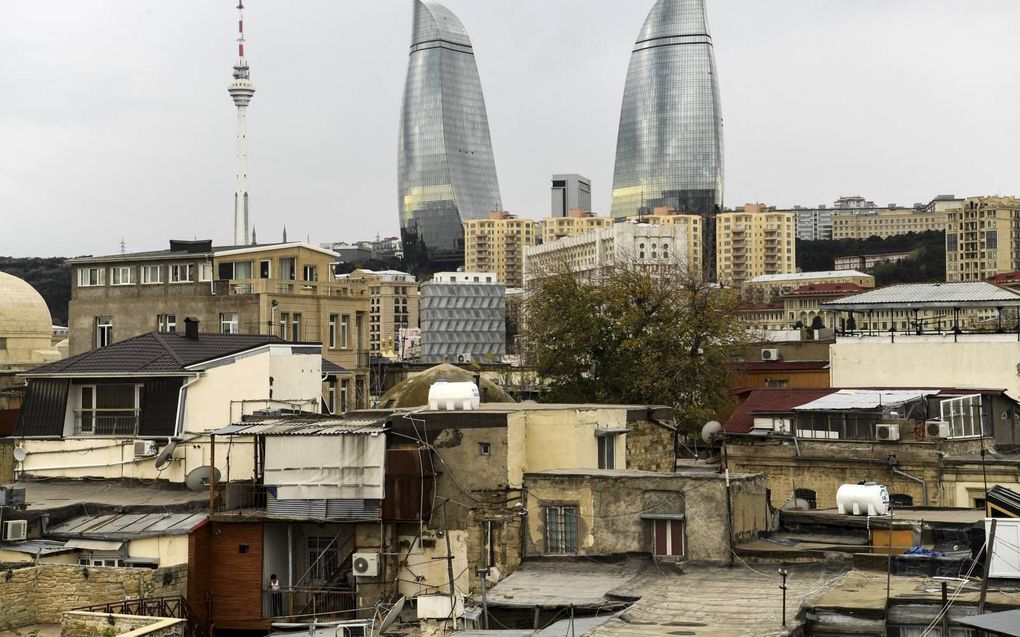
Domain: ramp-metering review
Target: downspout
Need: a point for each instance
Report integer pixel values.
(179, 428)
(893, 462)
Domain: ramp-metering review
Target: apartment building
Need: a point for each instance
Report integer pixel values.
(887, 222)
(497, 245)
(755, 241)
(285, 290)
(982, 238)
(393, 305)
(577, 221)
(689, 225)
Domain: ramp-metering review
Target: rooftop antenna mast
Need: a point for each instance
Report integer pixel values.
(241, 91)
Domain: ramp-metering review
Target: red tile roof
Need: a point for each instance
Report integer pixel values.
(817, 289)
(757, 307)
(770, 401)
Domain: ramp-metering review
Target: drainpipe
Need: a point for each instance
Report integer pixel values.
(893, 463)
(179, 429)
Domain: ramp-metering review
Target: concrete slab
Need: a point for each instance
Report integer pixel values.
(558, 584)
(55, 494)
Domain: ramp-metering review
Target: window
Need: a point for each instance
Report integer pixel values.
(807, 495)
(295, 327)
(284, 324)
(322, 559)
(345, 331)
(964, 416)
(3, 343)
(152, 274)
(331, 397)
(560, 529)
(287, 268)
(607, 452)
(92, 559)
(166, 323)
(205, 272)
(344, 391)
(333, 318)
(104, 331)
(122, 275)
(309, 273)
(182, 273)
(485, 448)
(107, 410)
(668, 538)
(235, 270)
(265, 269)
(91, 277)
(229, 323)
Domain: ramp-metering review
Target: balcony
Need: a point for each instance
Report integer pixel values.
(247, 287)
(106, 422)
(305, 604)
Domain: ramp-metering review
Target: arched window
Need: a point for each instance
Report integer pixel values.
(808, 495)
(901, 500)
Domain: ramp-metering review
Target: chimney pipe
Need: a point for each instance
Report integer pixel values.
(191, 328)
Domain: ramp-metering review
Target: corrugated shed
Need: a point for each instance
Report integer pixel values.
(927, 295)
(129, 526)
(781, 401)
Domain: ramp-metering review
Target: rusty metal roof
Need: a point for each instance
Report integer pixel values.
(128, 526)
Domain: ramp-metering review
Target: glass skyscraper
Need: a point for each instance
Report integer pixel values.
(447, 173)
(669, 151)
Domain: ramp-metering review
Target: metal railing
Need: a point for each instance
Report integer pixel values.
(307, 603)
(105, 422)
(169, 607)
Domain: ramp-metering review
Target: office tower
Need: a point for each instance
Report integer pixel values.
(570, 192)
(447, 173)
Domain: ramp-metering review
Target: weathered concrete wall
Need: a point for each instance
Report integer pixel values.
(42, 594)
(610, 505)
(6, 460)
(78, 624)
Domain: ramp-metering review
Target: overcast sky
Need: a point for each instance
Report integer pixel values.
(115, 121)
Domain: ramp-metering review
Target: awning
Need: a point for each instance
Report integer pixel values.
(662, 516)
(610, 431)
(93, 545)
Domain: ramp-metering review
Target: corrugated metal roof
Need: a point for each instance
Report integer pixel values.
(865, 399)
(35, 547)
(806, 276)
(1004, 623)
(305, 426)
(928, 295)
(129, 526)
(770, 400)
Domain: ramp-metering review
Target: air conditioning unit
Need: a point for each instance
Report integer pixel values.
(15, 530)
(12, 496)
(145, 448)
(463, 358)
(936, 429)
(770, 354)
(887, 433)
(366, 564)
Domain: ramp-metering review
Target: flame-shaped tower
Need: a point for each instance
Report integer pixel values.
(241, 90)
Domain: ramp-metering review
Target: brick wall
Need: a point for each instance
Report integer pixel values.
(42, 594)
(650, 447)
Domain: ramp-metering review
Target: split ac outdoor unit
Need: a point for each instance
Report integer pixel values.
(463, 358)
(887, 433)
(770, 354)
(15, 530)
(145, 448)
(936, 429)
(366, 564)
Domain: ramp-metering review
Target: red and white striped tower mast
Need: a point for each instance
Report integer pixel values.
(241, 90)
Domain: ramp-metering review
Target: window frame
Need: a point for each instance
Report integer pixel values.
(174, 273)
(117, 272)
(345, 331)
(103, 331)
(86, 279)
(560, 538)
(331, 331)
(235, 322)
(606, 451)
(147, 271)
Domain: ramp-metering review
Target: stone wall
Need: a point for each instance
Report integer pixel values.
(78, 624)
(42, 594)
(650, 447)
(6, 461)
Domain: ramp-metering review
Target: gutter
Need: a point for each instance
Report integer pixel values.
(893, 462)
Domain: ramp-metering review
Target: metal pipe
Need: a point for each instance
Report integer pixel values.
(924, 485)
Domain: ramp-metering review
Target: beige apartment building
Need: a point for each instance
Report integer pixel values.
(577, 221)
(286, 290)
(393, 305)
(497, 245)
(982, 238)
(690, 226)
(771, 288)
(755, 241)
(887, 222)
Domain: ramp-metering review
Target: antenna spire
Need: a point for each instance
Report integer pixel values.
(241, 91)
(240, 32)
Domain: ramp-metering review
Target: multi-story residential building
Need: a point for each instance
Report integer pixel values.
(982, 238)
(570, 192)
(865, 262)
(497, 245)
(576, 221)
(589, 255)
(771, 287)
(463, 318)
(813, 224)
(753, 242)
(393, 306)
(285, 290)
(886, 222)
(691, 225)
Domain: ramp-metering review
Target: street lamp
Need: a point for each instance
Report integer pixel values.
(784, 574)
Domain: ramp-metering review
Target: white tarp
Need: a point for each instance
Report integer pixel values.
(93, 545)
(1005, 548)
(346, 466)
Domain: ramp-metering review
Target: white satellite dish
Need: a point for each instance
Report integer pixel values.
(198, 479)
(20, 454)
(391, 617)
(166, 456)
(711, 430)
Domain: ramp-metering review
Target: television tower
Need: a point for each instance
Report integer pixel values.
(241, 90)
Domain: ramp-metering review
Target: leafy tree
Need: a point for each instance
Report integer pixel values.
(49, 276)
(634, 337)
(927, 262)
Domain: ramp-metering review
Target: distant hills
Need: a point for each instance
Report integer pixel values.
(50, 277)
(927, 263)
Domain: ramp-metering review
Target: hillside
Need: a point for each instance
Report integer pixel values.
(50, 277)
(926, 265)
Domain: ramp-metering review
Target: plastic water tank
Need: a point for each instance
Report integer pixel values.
(862, 499)
(453, 396)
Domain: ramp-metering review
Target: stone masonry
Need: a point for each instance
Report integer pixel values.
(42, 594)
(78, 624)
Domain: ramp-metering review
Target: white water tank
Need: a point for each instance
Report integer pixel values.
(862, 499)
(453, 396)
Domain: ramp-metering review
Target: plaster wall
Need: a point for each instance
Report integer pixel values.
(13, 557)
(170, 550)
(560, 439)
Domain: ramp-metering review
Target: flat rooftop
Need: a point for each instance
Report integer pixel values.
(53, 494)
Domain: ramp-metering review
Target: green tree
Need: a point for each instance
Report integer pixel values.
(634, 337)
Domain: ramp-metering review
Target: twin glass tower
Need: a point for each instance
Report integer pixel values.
(669, 147)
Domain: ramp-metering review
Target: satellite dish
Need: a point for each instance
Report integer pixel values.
(20, 454)
(711, 430)
(198, 479)
(391, 617)
(166, 456)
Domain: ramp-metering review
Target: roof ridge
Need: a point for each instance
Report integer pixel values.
(159, 339)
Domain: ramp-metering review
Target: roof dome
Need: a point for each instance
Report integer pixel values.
(23, 311)
(414, 392)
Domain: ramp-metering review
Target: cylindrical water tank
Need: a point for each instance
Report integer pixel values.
(453, 396)
(862, 499)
